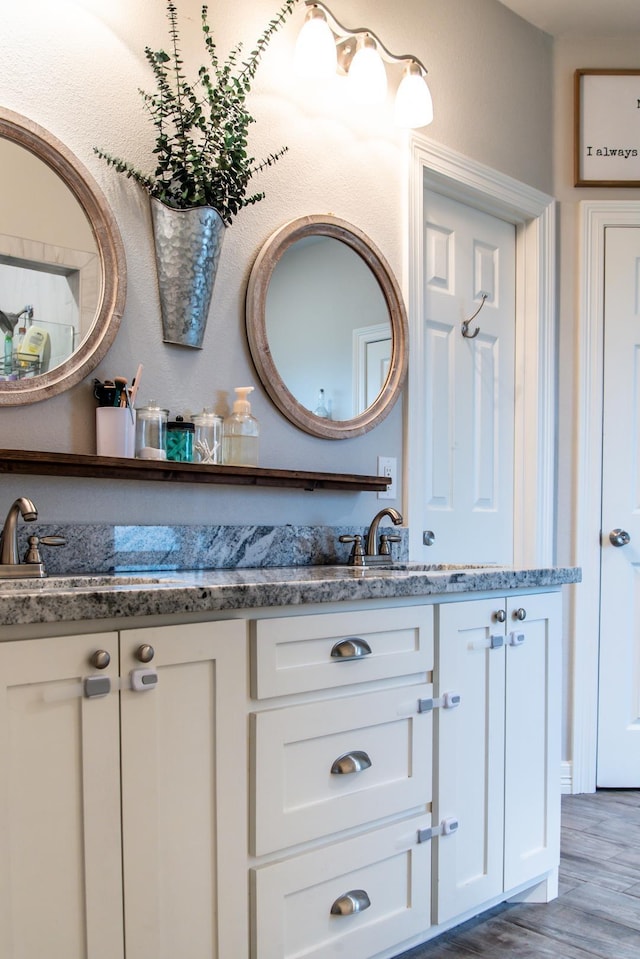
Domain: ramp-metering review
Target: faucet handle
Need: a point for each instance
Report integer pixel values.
(33, 553)
(357, 553)
(385, 539)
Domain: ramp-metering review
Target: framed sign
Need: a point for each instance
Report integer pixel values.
(607, 128)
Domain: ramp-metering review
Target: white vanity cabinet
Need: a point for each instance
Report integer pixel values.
(341, 746)
(497, 754)
(346, 780)
(178, 862)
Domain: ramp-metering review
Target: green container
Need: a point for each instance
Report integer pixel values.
(180, 441)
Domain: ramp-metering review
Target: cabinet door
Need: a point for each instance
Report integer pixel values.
(532, 750)
(184, 744)
(469, 755)
(60, 863)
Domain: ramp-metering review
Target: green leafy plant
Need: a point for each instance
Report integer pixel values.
(202, 126)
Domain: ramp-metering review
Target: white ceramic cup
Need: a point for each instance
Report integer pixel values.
(115, 431)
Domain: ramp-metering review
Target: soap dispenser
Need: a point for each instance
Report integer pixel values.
(240, 432)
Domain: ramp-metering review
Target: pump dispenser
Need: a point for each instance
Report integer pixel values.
(240, 432)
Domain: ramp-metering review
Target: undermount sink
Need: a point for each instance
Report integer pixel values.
(442, 567)
(80, 581)
(410, 567)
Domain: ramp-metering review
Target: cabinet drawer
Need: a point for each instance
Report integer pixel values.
(293, 654)
(293, 899)
(299, 798)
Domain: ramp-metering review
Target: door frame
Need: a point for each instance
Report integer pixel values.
(438, 169)
(595, 217)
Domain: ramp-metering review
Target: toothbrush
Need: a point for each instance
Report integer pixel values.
(135, 385)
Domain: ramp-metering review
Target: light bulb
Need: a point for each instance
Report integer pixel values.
(413, 106)
(315, 54)
(367, 75)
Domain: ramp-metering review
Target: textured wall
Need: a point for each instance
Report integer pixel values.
(74, 68)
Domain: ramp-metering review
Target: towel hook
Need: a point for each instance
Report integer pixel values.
(465, 323)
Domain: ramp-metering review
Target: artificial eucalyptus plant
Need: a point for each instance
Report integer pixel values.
(201, 126)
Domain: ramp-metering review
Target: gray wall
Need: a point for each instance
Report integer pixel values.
(75, 68)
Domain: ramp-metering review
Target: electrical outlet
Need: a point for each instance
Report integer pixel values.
(388, 466)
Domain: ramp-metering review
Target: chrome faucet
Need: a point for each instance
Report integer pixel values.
(9, 535)
(372, 535)
(370, 555)
(10, 565)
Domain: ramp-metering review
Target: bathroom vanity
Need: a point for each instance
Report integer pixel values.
(274, 763)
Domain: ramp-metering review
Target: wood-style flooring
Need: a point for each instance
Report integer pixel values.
(597, 913)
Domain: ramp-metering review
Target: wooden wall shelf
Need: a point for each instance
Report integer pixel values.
(37, 463)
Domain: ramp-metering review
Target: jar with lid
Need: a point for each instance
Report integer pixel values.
(208, 437)
(151, 432)
(180, 440)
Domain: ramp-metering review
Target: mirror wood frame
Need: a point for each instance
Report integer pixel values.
(81, 184)
(266, 262)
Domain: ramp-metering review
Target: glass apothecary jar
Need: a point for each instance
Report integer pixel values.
(180, 440)
(151, 432)
(207, 437)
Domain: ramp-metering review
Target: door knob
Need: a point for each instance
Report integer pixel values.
(619, 537)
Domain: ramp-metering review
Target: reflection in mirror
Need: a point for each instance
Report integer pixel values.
(49, 268)
(326, 327)
(346, 333)
(62, 267)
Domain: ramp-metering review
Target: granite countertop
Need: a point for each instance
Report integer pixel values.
(69, 598)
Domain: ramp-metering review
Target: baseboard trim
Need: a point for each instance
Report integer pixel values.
(566, 778)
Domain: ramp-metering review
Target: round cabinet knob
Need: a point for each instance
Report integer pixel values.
(145, 653)
(100, 659)
(520, 614)
(500, 616)
(619, 537)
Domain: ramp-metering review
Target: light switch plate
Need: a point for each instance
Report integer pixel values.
(388, 466)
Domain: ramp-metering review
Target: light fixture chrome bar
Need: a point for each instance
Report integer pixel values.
(344, 33)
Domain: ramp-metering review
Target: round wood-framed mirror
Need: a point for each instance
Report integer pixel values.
(324, 313)
(51, 197)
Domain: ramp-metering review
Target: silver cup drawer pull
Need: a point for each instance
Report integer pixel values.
(353, 762)
(354, 901)
(352, 648)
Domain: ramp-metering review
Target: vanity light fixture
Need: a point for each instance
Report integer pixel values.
(325, 47)
(367, 74)
(315, 53)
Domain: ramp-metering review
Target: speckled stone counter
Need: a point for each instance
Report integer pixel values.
(71, 599)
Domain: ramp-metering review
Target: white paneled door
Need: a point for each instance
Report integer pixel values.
(468, 383)
(619, 688)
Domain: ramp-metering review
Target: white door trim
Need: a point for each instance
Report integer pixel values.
(596, 216)
(456, 176)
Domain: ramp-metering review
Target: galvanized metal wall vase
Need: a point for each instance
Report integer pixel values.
(187, 247)
(202, 168)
